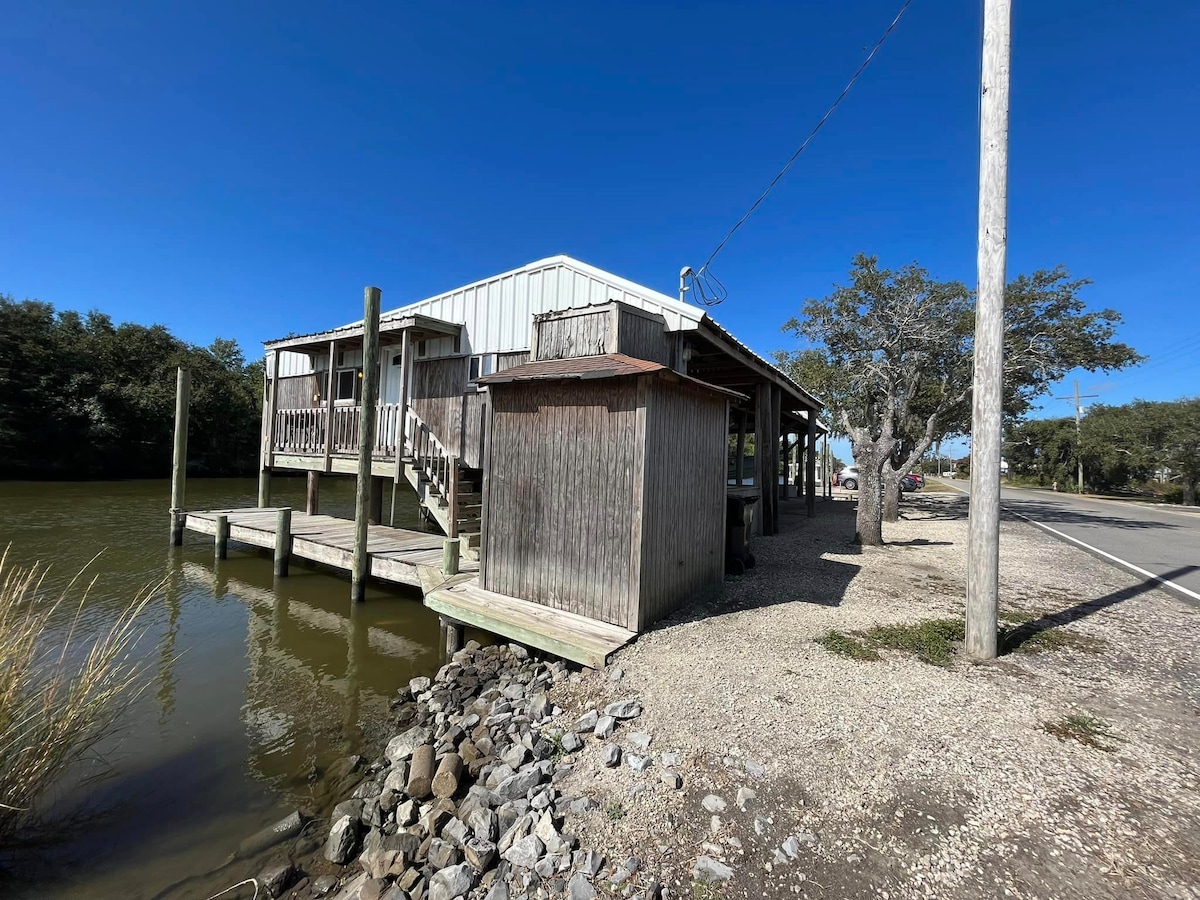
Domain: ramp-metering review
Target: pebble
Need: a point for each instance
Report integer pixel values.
(713, 804)
(709, 869)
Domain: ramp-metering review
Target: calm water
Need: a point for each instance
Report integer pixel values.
(256, 686)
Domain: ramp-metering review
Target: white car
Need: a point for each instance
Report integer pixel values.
(848, 478)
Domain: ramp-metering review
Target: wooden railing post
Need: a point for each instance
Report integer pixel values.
(452, 498)
(330, 384)
(450, 552)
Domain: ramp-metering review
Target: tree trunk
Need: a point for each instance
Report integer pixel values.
(891, 494)
(1189, 492)
(868, 526)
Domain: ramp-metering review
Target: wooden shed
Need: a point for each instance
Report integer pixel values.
(604, 488)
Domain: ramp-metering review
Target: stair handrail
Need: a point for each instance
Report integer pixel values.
(428, 452)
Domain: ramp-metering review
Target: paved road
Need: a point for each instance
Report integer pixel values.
(1160, 540)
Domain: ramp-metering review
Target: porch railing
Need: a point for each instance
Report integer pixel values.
(302, 431)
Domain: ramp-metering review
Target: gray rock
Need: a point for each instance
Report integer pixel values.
(275, 879)
(401, 747)
(579, 888)
(637, 763)
(587, 861)
(519, 829)
(571, 742)
(545, 867)
(516, 786)
(587, 722)
(526, 852)
(713, 804)
(791, 847)
(514, 757)
(708, 869)
(351, 808)
(580, 805)
(611, 755)
(480, 854)
(604, 727)
(672, 780)
(745, 796)
(342, 838)
(515, 691)
(406, 813)
(760, 826)
(419, 685)
(632, 864)
(442, 854)
(456, 832)
(624, 709)
(323, 885)
(753, 769)
(397, 777)
(671, 759)
(451, 882)
(542, 800)
(484, 824)
(616, 674)
(549, 836)
(498, 891)
(640, 739)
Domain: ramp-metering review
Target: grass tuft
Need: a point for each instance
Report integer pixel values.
(1028, 639)
(615, 811)
(931, 641)
(60, 696)
(1087, 730)
(846, 645)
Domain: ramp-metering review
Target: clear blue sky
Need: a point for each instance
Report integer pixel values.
(242, 170)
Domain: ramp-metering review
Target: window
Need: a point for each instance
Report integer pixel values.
(349, 384)
(421, 348)
(483, 364)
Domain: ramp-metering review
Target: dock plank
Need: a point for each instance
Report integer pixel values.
(571, 636)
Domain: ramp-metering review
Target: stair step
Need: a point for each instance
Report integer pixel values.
(468, 525)
(470, 538)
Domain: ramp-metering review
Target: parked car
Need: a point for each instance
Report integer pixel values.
(847, 478)
(913, 481)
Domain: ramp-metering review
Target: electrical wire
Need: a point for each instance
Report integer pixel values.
(704, 269)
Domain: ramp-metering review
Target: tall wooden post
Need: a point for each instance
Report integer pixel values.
(739, 459)
(983, 546)
(810, 467)
(221, 538)
(366, 441)
(762, 456)
(272, 404)
(312, 497)
(183, 396)
(402, 411)
(329, 389)
(776, 414)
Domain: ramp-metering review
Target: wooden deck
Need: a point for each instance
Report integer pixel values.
(397, 554)
(574, 637)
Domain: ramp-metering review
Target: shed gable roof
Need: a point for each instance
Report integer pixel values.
(587, 368)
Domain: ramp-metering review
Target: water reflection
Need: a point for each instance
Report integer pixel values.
(258, 685)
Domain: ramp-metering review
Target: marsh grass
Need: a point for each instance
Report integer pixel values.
(61, 694)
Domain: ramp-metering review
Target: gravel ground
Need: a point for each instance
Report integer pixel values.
(898, 778)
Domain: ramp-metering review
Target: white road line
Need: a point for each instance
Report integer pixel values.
(1116, 559)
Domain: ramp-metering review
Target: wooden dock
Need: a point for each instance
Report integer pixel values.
(414, 558)
(578, 638)
(397, 555)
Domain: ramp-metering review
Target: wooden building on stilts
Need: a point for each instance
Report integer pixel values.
(581, 436)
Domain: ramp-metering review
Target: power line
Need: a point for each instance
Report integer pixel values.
(812, 134)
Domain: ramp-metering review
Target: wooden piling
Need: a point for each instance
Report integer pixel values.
(449, 771)
(283, 540)
(372, 297)
(221, 542)
(452, 635)
(183, 393)
(312, 496)
(450, 555)
(420, 773)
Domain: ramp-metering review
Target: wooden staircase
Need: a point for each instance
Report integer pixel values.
(449, 493)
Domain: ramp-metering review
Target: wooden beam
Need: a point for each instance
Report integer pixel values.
(762, 453)
(402, 400)
(740, 455)
(810, 475)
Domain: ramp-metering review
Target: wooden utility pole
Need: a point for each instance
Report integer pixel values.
(1078, 427)
(983, 548)
(183, 396)
(366, 441)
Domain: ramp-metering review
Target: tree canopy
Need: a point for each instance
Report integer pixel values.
(81, 397)
(892, 355)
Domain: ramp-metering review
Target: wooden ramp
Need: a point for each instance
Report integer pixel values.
(574, 637)
(397, 554)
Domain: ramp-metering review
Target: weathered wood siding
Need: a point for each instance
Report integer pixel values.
(508, 360)
(642, 336)
(474, 419)
(297, 392)
(437, 397)
(566, 337)
(564, 462)
(683, 498)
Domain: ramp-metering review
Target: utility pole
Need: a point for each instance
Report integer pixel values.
(1078, 432)
(983, 549)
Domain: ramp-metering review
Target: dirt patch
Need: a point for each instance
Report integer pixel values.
(895, 777)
